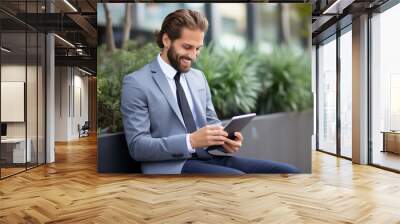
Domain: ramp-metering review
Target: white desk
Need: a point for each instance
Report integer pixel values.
(18, 149)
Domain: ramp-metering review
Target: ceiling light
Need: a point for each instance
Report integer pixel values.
(338, 6)
(79, 51)
(64, 40)
(5, 49)
(86, 72)
(71, 6)
(329, 9)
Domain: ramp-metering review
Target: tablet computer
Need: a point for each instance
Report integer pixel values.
(236, 124)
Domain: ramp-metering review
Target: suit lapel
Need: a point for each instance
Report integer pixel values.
(162, 82)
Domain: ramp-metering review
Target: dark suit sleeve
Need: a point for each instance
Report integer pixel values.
(135, 116)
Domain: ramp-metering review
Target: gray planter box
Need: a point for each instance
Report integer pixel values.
(283, 137)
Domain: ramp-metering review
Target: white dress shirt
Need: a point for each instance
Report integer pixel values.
(170, 73)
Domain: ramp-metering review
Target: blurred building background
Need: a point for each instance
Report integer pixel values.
(232, 25)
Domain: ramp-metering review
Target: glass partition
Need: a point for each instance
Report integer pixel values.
(13, 109)
(327, 96)
(22, 88)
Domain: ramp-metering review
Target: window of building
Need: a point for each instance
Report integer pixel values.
(346, 93)
(385, 88)
(327, 96)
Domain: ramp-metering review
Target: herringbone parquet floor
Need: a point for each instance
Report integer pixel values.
(71, 191)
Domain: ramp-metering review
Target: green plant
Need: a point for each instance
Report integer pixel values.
(112, 67)
(232, 78)
(240, 82)
(286, 81)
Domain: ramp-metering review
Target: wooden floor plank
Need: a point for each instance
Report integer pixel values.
(71, 191)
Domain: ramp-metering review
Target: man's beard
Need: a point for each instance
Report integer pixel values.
(175, 59)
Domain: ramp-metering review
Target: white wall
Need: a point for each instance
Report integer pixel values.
(80, 88)
(12, 99)
(70, 83)
(17, 73)
(14, 73)
(61, 103)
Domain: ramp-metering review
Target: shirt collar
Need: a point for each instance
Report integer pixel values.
(168, 70)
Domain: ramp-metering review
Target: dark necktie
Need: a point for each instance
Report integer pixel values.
(184, 106)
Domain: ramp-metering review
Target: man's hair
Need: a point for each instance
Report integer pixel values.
(176, 21)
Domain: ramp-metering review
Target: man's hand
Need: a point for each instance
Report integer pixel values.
(207, 136)
(231, 146)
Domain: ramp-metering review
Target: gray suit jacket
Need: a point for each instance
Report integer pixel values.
(153, 124)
